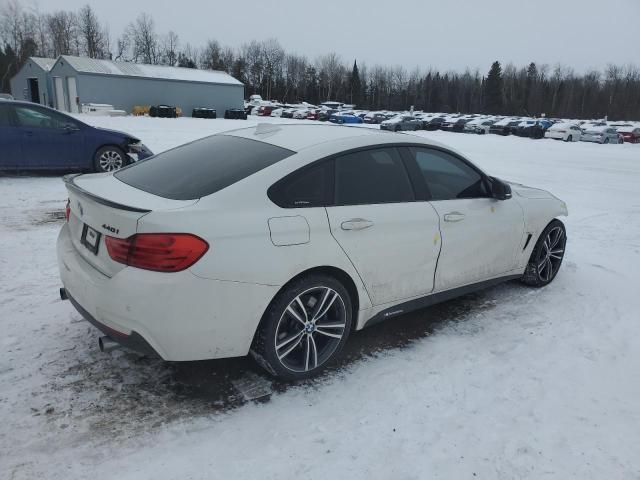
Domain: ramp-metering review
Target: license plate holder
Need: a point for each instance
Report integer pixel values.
(90, 238)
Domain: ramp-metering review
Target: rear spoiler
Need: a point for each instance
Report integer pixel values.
(69, 181)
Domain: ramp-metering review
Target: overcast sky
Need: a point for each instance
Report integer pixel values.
(444, 34)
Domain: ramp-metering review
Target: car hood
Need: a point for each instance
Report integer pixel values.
(117, 133)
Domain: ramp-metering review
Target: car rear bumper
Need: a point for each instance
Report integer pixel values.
(178, 315)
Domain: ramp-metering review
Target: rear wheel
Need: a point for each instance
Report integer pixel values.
(109, 159)
(570, 138)
(304, 328)
(606, 140)
(547, 255)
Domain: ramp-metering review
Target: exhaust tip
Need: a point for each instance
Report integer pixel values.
(63, 294)
(107, 344)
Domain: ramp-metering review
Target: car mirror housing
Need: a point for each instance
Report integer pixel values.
(500, 190)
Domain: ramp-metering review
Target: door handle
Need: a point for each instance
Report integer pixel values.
(356, 224)
(453, 217)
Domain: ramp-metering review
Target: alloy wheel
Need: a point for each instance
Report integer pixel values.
(551, 254)
(110, 160)
(310, 329)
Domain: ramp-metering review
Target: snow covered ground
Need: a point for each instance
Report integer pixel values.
(507, 383)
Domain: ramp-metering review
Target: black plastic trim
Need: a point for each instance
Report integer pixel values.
(434, 298)
(69, 182)
(134, 341)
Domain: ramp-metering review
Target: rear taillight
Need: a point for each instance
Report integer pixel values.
(67, 210)
(161, 252)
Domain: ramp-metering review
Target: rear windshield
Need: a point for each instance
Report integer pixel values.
(201, 168)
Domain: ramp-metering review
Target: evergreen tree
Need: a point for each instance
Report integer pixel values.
(532, 75)
(493, 89)
(355, 85)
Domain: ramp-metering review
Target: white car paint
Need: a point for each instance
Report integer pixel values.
(392, 254)
(564, 131)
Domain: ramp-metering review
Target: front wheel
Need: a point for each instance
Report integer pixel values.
(109, 159)
(304, 328)
(547, 255)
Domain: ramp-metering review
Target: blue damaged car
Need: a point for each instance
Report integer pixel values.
(34, 137)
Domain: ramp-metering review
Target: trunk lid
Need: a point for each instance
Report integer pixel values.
(103, 205)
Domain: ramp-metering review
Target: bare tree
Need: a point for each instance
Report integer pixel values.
(142, 38)
(62, 32)
(94, 38)
(169, 48)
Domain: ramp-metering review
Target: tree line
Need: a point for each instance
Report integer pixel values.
(266, 68)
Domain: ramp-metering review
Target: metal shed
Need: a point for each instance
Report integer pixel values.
(78, 80)
(33, 82)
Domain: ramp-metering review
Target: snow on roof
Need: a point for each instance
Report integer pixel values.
(108, 67)
(43, 63)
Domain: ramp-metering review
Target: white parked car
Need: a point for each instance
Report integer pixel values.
(479, 125)
(279, 240)
(569, 132)
(601, 134)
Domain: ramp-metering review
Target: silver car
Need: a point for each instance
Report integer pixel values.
(601, 134)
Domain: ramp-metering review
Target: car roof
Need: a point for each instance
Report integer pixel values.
(297, 137)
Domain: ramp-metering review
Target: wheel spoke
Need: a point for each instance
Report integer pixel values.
(557, 257)
(304, 310)
(328, 300)
(295, 315)
(333, 335)
(289, 340)
(314, 347)
(558, 251)
(330, 325)
(542, 265)
(291, 348)
(550, 269)
(307, 353)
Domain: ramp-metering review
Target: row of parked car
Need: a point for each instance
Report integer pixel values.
(559, 129)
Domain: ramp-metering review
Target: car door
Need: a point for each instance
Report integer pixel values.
(49, 139)
(480, 235)
(391, 239)
(10, 141)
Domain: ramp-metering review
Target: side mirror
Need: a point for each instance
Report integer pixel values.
(500, 190)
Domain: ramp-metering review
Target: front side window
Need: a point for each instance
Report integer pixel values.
(39, 118)
(370, 177)
(447, 177)
(6, 116)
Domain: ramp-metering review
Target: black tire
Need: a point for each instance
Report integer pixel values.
(546, 257)
(606, 140)
(299, 343)
(395, 129)
(570, 138)
(109, 159)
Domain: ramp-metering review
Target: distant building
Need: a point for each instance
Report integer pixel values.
(78, 80)
(33, 82)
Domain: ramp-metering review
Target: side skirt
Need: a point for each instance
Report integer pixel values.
(432, 299)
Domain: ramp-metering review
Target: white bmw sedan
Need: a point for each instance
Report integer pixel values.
(280, 240)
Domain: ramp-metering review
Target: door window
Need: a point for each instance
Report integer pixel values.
(6, 116)
(370, 177)
(37, 118)
(447, 177)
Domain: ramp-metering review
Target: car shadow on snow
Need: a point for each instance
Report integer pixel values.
(122, 392)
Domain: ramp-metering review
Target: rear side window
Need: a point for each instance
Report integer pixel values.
(201, 168)
(308, 187)
(371, 176)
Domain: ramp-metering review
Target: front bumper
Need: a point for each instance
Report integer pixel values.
(138, 151)
(180, 316)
